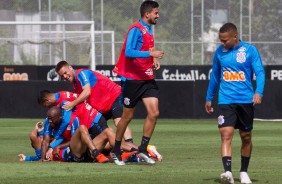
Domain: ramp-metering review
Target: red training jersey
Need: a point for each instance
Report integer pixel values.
(137, 68)
(103, 93)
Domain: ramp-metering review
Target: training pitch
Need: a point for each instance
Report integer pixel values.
(190, 148)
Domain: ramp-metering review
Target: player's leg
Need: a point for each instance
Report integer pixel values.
(226, 134)
(127, 116)
(127, 134)
(36, 139)
(35, 135)
(227, 121)
(246, 113)
(116, 113)
(246, 150)
(80, 141)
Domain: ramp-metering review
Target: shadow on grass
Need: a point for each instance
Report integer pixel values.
(217, 180)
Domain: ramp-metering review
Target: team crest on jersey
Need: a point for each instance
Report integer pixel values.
(241, 57)
(126, 101)
(144, 31)
(220, 119)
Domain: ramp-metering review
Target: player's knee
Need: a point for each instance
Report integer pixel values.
(246, 139)
(82, 128)
(154, 114)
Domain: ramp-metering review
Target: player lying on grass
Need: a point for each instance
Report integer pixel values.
(36, 138)
(49, 99)
(60, 151)
(55, 118)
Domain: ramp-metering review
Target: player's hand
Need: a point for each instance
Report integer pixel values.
(21, 157)
(157, 54)
(68, 106)
(49, 154)
(257, 99)
(56, 152)
(208, 107)
(156, 64)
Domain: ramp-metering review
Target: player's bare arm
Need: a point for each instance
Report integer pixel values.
(44, 148)
(81, 98)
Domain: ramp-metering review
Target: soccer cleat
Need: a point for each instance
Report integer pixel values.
(101, 158)
(244, 178)
(117, 159)
(133, 158)
(152, 150)
(227, 178)
(126, 154)
(146, 158)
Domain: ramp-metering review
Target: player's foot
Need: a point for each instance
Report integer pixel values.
(152, 150)
(117, 159)
(126, 154)
(134, 158)
(244, 178)
(146, 158)
(101, 158)
(227, 178)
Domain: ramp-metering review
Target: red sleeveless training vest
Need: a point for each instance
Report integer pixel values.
(137, 68)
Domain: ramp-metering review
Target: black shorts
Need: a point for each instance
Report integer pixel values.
(86, 157)
(135, 90)
(97, 128)
(239, 116)
(116, 110)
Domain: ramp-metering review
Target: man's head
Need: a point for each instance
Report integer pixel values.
(149, 11)
(54, 115)
(228, 36)
(65, 71)
(46, 98)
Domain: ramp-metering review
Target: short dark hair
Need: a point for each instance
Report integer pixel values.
(42, 96)
(148, 6)
(228, 27)
(60, 65)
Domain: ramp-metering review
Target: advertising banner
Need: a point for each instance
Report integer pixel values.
(165, 73)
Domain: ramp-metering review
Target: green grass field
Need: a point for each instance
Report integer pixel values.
(191, 151)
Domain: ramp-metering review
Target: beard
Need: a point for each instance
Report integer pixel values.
(153, 21)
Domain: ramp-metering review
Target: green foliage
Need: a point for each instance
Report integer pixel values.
(191, 151)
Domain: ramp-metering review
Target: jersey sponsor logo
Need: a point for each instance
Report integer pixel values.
(149, 72)
(234, 76)
(220, 119)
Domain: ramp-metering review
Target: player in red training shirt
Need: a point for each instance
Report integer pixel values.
(98, 90)
(49, 99)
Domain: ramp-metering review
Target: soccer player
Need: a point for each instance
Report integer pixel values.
(36, 137)
(48, 99)
(234, 64)
(77, 137)
(135, 67)
(98, 90)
